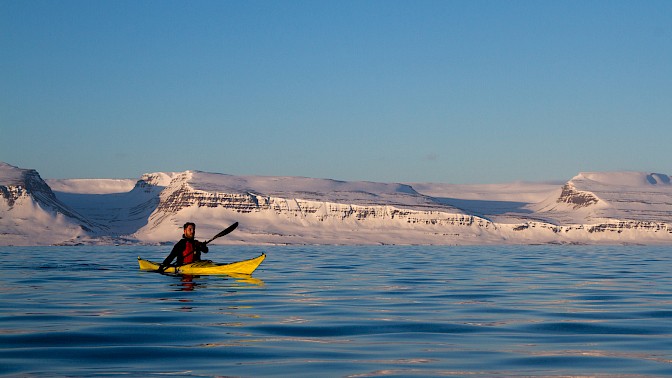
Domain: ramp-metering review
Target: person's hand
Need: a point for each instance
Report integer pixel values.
(161, 269)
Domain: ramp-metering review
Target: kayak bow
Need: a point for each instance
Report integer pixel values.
(207, 267)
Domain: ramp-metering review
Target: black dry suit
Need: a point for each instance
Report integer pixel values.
(186, 251)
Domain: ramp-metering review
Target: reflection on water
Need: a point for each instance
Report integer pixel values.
(187, 282)
(190, 282)
(341, 311)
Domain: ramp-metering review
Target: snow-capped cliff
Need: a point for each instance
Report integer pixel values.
(624, 196)
(301, 210)
(615, 207)
(31, 214)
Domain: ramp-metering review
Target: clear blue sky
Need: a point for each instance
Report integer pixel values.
(392, 91)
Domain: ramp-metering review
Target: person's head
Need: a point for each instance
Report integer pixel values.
(189, 230)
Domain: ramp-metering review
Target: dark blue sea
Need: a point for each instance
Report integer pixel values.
(383, 311)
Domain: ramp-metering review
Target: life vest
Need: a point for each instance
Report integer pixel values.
(188, 252)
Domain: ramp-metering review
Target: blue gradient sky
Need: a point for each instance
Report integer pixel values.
(392, 91)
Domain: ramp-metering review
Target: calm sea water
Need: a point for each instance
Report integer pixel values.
(340, 312)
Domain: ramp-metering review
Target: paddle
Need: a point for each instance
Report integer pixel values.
(225, 232)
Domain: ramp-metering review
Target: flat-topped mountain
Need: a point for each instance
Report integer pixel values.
(601, 207)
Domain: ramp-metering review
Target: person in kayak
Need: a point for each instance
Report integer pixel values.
(187, 250)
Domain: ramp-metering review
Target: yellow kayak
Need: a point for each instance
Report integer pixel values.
(207, 267)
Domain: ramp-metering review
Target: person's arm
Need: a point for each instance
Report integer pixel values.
(202, 247)
(170, 257)
(198, 248)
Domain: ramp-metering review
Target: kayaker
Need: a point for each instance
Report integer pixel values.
(186, 250)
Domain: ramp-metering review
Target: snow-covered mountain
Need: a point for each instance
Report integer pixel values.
(31, 214)
(615, 207)
(123, 206)
(299, 210)
(599, 197)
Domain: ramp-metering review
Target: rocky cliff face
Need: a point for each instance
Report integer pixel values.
(577, 214)
(30, 213)
(590, 208)
(22, 183)
(27, 185)
(619, 205)
(180, 195)
(576, 198)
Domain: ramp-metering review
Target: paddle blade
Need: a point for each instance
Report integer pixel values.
(224, 232)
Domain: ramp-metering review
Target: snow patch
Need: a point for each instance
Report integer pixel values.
(91, 186)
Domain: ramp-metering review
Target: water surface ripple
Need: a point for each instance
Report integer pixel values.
(340, 312)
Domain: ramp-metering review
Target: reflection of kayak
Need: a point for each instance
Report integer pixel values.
(207, 267)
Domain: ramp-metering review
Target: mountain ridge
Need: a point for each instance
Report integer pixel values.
(590, 208)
